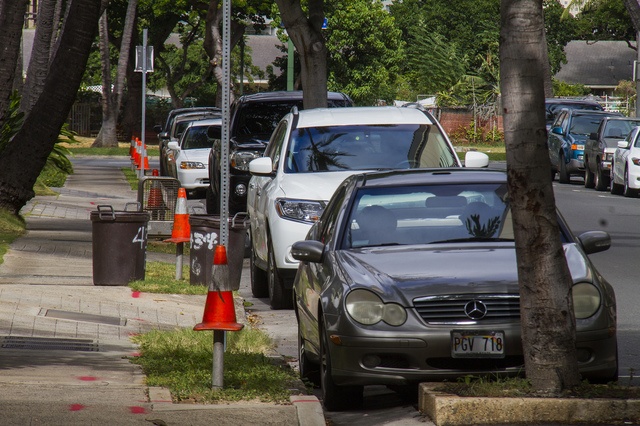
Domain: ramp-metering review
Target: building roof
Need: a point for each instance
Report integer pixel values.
(601, 64)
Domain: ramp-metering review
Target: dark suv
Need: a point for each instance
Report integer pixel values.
(252, 120)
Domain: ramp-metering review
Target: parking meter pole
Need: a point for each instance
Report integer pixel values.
(179, 256)
(218, 360)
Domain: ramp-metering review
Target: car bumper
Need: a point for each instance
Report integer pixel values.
(287, 232)
(576, 164)
(425, 355)
(634, 177)
(193, 179)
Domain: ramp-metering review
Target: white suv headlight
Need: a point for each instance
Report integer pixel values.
(240, 159)
(307, 211)
(586, 300)
(190, 165)
(367, 308)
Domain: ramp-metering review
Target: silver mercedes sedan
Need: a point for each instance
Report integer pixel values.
(411, 276)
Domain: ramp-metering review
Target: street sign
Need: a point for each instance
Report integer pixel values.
(144, 64)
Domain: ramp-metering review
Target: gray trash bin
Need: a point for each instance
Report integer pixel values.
(119, 245)
(205, 236)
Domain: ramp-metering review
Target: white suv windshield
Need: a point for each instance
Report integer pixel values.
(367, 147)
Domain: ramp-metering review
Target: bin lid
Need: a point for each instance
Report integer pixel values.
(119, 216)
(213, 221)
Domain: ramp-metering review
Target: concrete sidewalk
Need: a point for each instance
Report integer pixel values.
(64, 341)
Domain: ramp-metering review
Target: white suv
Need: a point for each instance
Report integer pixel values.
(309, 154)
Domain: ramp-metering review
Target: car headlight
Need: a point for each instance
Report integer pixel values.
(307, 211)
(367, 308)
(240, 159)
(635, 161)
(190, 165)
(586, 300)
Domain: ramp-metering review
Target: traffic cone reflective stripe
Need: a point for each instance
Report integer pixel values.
(136, 156)
(181, 232)
(132, 148)
(143, 163)
(219, 309)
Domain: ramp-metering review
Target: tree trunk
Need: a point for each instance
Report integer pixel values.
(40, 55)
(112, 99)
(546, 307)
(11, 22)
(306, 34)
(633, 7)
(23, 159)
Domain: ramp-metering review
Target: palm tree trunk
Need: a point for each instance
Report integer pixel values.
(546, 308)
(11, 22)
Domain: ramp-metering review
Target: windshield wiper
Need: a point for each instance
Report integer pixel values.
(472, 239)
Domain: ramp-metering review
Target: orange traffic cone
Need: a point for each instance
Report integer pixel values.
(136, 155)
(155, 202)
(181, 232)
(143, 163)
(219, 309)
(132, 148)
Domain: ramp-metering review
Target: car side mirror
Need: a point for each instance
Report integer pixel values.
(475, 159)
(595, 241)
(557, 130)
(308, 251)
(173, 145)
(261, 167)
(593, 136)
(623, 144)
(157, 128)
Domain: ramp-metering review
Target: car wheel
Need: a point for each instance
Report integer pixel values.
(627, 191)
(588, 176)
(334, 397)
(279, 298)
(601, 182)
(212, 202)
(308, 369)
(616, 188)
(259, 284)
(563, 174)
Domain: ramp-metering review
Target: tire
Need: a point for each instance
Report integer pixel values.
(212, 201)
(601, 182)
(259, 284)
(309, 371)
(588, 176)
(279, 297)
(627, 191)
(563, 174)
(334, 397)
(616, 188)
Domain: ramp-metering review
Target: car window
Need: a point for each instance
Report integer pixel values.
(561, 120)
(584, 124)
(429, 214)
(275, 144)
(619, 129)
(367, 147)
(327, 224)
(260, 119)
(197, 138)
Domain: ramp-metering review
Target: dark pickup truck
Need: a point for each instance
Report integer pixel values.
(252, 120)
(599, 148)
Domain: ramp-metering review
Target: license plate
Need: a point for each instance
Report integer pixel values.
(477, 344)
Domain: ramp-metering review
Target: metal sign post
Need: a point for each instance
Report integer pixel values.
(144, 64)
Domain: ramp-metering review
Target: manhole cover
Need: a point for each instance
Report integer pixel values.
(48, 343)
(77, 316)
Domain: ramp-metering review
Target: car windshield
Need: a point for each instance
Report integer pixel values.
(367, 147)
(199, 137)
(585, 124)
(429, 215)
(619, 129)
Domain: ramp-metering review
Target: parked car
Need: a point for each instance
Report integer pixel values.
(308, 156)
(411, 276)
(625, 170)
(177, 120)
(553, 105)
(567, 138)
(188, 159)
(600, 147)
(252, 120)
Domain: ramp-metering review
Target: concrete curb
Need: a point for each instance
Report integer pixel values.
(452, 410)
